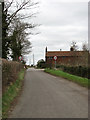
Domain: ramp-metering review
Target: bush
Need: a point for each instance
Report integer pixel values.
(41, 64)
(10, 71)
(77, 70)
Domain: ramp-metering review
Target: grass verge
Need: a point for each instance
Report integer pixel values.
(80, 80)
(0, 108)
(11, 93)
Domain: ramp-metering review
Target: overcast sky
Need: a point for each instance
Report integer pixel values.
(61, 23)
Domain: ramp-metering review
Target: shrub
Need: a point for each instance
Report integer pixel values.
(76, 70)
(10, 71)
(41, 64)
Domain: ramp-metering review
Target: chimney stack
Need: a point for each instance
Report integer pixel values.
(46, 49)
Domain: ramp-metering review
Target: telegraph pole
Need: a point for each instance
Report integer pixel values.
(33, 59)
(29, 61)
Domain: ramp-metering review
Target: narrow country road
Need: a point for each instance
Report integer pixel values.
(47, 96)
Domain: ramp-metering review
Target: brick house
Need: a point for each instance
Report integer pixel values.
(67, 58)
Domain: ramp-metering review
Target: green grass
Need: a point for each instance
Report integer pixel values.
(80, 80)
(11, 93)
(0, 108)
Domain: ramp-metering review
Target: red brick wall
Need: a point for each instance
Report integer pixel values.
(69, 60)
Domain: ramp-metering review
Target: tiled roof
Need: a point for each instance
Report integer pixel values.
(64, 53)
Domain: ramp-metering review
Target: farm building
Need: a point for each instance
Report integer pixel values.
(67, 58)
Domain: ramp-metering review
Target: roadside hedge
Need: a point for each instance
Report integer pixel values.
(10, 71)
(76, 70)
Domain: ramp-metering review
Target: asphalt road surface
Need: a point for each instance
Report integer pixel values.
(47, 96)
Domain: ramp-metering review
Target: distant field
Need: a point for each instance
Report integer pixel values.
(81, 81)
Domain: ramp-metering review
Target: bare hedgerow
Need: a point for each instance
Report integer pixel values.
(10, 71)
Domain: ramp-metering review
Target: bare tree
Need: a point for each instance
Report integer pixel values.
(19, 7)
(74, 46)
(85, 47)
(12, 10)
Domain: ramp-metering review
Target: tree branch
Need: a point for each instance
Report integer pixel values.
(20, 8)
(8, 6)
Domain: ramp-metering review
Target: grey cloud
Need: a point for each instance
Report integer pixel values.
(63, 14)
(62, 23)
